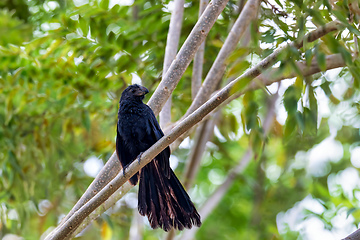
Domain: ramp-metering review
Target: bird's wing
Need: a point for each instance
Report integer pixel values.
(121, 151)
(124, 156)
(157, 133)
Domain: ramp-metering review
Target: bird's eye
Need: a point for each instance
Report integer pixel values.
(133, 90)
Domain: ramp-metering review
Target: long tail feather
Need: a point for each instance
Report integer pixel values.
(164, 200)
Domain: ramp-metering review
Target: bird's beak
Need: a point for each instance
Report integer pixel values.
(142, 91)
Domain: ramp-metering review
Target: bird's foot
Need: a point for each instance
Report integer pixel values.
(139, 157)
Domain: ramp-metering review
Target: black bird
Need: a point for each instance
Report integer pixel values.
(161, 196)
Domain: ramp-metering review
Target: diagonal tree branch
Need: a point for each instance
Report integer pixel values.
(104, 207)
(75, 220)
(108, 172)
(332, 61)
(353, 236)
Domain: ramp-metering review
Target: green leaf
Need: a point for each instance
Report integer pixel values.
(331, 43)
(240, 85)
(112, 37)
(250, 111)
(300, 120)
(353, 30)
(317, 18)
(238, 68)
(295, 68)
(257, 142)
(327, 5)
(308, 56)
(356, 75)
(291, 98)
(14, 163)
(312, 98)
(104, 4)
(350, 211)
(326, 88)
(346, 55)
(290, 127)
(251, 115)
(85, 118)
(279, 3)
(321, 60)
(310, 119)
(341, 16)
(84, 26)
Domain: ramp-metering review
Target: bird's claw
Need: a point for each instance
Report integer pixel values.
(139, 157)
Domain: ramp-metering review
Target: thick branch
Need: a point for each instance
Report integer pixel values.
(354, 236)
(108, 172)
(104, 207)
(186, 54)
(172, 44)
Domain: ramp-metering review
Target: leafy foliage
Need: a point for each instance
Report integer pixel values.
(63, 65)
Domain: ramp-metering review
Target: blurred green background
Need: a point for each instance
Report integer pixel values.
(64, 64)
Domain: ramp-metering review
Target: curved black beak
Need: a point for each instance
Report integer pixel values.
(141, 91)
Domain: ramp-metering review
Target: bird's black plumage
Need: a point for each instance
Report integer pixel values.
(161, 196)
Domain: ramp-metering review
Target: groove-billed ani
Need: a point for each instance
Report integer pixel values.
(161, 196)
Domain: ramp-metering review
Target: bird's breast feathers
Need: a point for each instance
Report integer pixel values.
(133, 127)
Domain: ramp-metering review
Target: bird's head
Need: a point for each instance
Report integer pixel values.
(134, 92)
